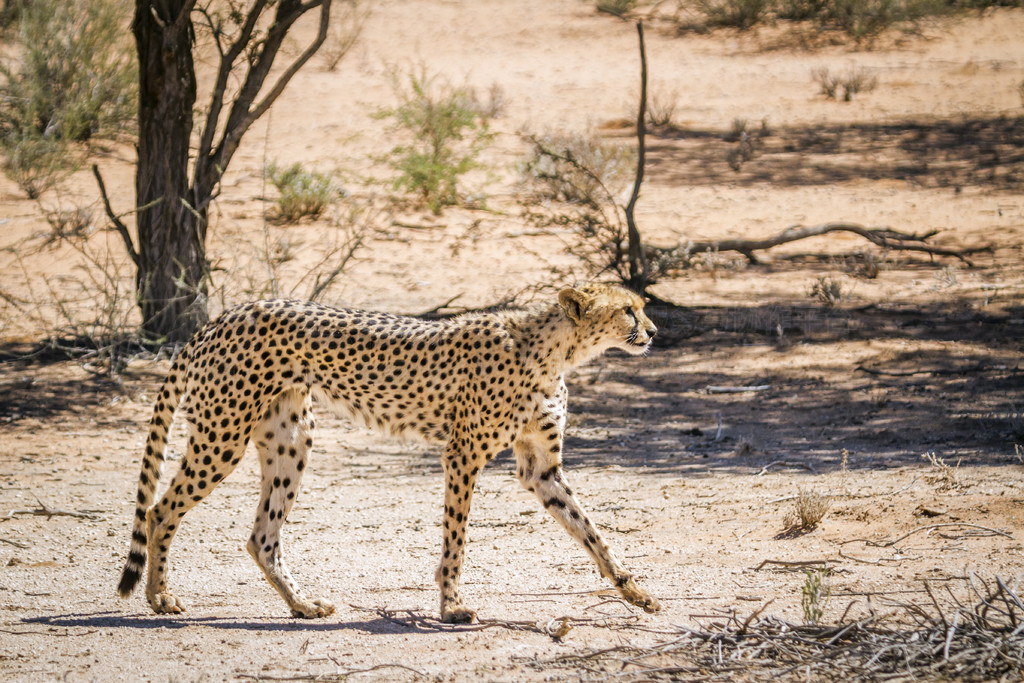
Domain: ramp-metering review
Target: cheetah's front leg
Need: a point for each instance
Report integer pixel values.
(538, 454)
(460, 474)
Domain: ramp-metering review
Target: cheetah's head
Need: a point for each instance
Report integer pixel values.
(607, 316)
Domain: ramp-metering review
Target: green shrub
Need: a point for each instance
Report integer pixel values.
(448, 130)
(36, 163)
(815, 594)
(74, 78)
(800, 10)
(301, 193)
(740, 14)
(617, 7)
(861, 20)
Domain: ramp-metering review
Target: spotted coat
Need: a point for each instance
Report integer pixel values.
(477, 384)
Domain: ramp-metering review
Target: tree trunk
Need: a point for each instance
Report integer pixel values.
(171, 283)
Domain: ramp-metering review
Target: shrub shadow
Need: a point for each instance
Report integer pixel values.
(953, 153)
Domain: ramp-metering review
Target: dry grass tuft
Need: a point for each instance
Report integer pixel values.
(944, 477)
(808, 511)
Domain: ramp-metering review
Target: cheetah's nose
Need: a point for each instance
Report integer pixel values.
(651, 331)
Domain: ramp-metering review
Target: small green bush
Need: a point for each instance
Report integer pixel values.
(36, 163)
(74, 79)
(740, 14)
(861, 20)
(800, 10)
(302, 193)
(617, 7)
(815, 594)
(448, 129)
(76, 76)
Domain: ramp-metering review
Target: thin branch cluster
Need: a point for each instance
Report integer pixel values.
(979, 640)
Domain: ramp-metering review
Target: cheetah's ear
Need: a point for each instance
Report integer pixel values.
(573, 302)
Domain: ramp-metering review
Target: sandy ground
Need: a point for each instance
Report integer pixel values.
(691, 487)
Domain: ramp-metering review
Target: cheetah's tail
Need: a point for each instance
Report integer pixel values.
(152, 467)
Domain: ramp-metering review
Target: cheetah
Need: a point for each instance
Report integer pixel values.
(477, 384)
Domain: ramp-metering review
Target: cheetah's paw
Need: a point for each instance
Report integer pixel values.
(458, 615)
(636, 596)
(313, 609)
(166, 603)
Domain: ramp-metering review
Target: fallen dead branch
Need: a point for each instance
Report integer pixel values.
(738, 390)
(883, 237)
(887, 544)
(933, 371)
(977, 639)
(556, 628)
(797, 564)
(785, 463)
(44, 511)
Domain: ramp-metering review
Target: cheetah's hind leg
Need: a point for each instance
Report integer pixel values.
(207, 462)
(283, 440)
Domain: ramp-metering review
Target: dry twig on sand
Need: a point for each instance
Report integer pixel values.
(556, 628)
(44, 511)
(979, 639)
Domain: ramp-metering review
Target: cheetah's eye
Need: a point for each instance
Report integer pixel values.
(631, 313)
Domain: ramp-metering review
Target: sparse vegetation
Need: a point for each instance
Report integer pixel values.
(844, 86)
(75, 79)
(67, 223)
(301, 193)
(586, 176)
(741, 14)
(861, 20)
(283, 263)
(37, 164)
(346, 25)
(447, 130)
(617, 7)
(815, 594)
(869, 264)
(948, 276)
(577, 168)
(944, 477)
(827, 290)
(976, 638)
(808, 510)
(661, 108)
(747, 141)
(88, 313)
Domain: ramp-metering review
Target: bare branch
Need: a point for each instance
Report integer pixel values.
(637, 258)
(243, 113)
(282, 82)
(227, 65)
(215, 30)
(122, 229)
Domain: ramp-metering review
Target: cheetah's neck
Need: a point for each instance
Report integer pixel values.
(548, 340)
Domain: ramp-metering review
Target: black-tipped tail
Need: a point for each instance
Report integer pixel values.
(132, 573)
